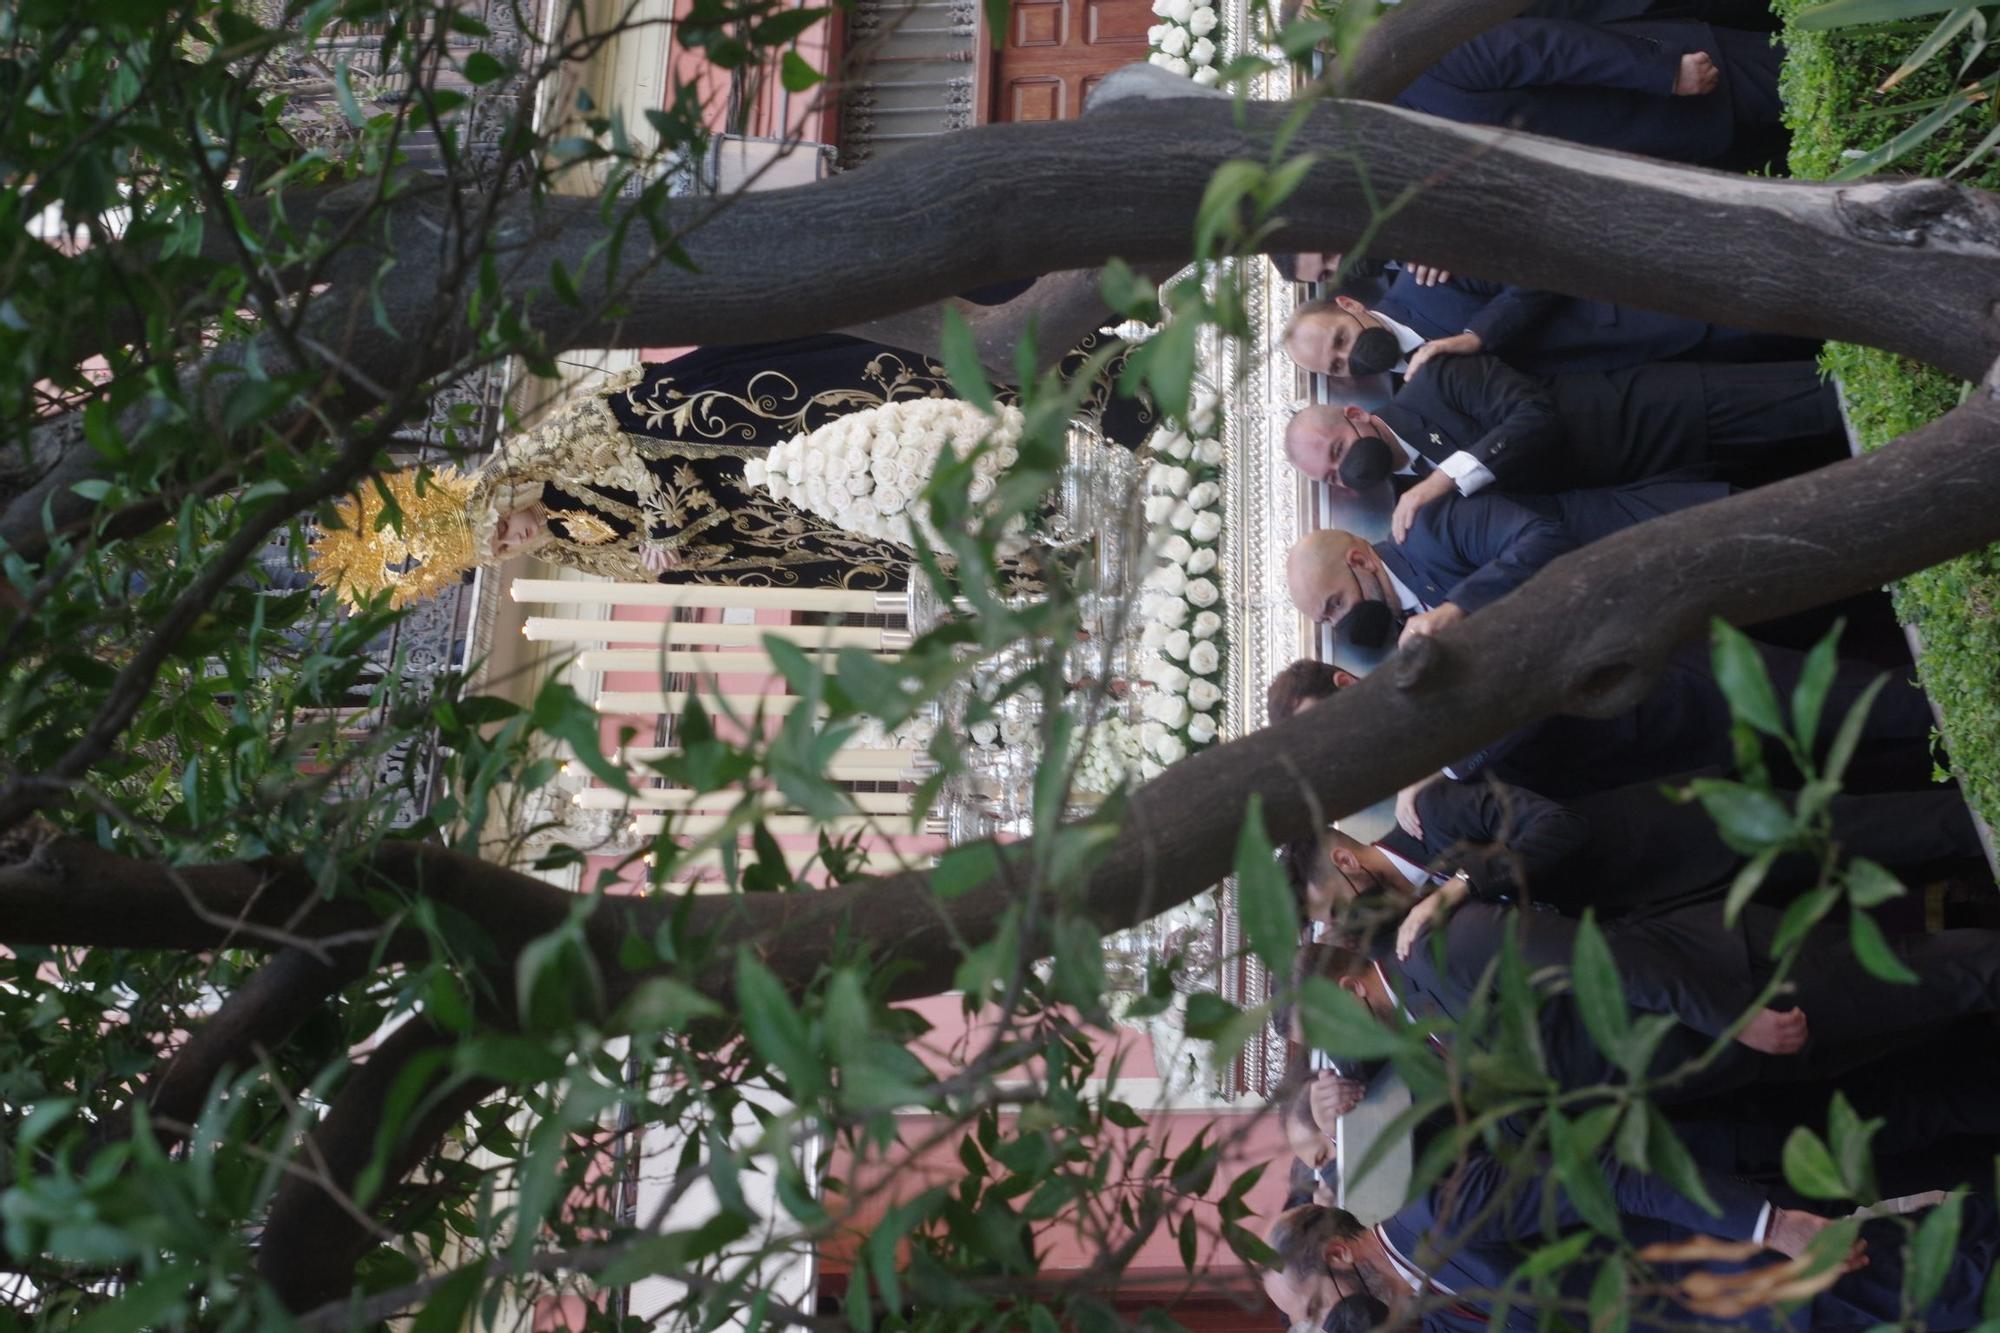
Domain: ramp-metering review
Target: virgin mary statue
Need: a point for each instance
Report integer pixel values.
(644, 479)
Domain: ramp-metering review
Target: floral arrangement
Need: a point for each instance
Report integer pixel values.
(1182, 594)
(865, 471)
(1187, 40)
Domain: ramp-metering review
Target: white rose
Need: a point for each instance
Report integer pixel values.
(836, 468)
(1202, 52)
(1169, 709)
(985, 733)
(1177, 645)
(1201, 562)
(1160, 58)
(1008, 456)
(1013, 730)
(1180, 11)
(1205, 495)
(1151, 732)
(1202, 592)
(1178, 66)
(1175, 40)
(1172, 613)
(1170, 750)
(1209, 452)
(1157, 474)
(1154, 33)
(889, 500)
(1176, 549)
(816, 493)
(779, 488)
(1201, 728)
(855, 453)
(753, 473)
(858, 483)
(1168, 579)
(1150, 768)
(1204, 659)
(795, 470)
(1172, 444)
(1183, 516)
(1153, 635)
(1207, 76)
(1161, 7)
(1202, 412)
(1168, 677)
(1206, 624)
(815, 459)
(1202, 695)
(1207, 526)
(1203, 20)
(1178, 480)
(1159, 508)
(980, 489)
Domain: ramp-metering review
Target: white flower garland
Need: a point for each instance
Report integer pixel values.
(1188, 41)
(866, 471)
(1184, 622)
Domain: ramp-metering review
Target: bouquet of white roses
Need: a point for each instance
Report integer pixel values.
(1182, 595)
(866, 471)
(1186, 41)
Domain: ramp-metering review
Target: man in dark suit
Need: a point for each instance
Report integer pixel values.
(1438, 1259)
(1537, 332)
(1667, 88)
(1473, 422)
(1636, 847)
(1464, 553)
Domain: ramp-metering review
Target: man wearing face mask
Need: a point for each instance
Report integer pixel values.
(1460, 555)
(1469, 423)
(1541, 333)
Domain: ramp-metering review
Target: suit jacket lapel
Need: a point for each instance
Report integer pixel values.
(1415, 579)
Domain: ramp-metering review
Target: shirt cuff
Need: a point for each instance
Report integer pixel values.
(1471, 475)
(1763, 1227)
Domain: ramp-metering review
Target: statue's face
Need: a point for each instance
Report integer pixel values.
(519, 530)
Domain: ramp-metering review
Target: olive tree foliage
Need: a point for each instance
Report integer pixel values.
(271, 1060)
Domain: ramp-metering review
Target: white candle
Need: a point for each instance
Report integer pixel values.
(604, 593)
(553, 629)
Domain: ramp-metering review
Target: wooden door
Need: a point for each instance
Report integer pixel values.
(1055, 51)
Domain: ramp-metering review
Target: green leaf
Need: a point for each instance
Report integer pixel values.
(1809, 695)
(1848, 738)
(1339, 1024)
(482, 68)
(1871, 885)
(1848, 13)
(1749, 820)
(1582, 1175)
(1847, 1137)
(1270, 917)
(963, 869)
(1931, 1253)
(775, 1028)
(961, 361)
(1872, 948)
(445, 1311)
(1810, 1168)
(1739, 669)
(144, 1304)
(1882, 155)
(343, 93)
(1600, 998)
(1670, 1160)
(1207, 1015)
(1217, 214)
(796, 75)
(1746, 883)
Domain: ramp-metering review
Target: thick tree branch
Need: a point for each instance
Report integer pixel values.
(1910, 266)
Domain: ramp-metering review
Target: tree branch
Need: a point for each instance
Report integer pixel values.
(1408, 38)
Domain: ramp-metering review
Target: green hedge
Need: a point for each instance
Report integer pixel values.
(1835, 113)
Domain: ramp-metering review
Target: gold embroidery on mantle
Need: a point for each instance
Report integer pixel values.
(584, 528)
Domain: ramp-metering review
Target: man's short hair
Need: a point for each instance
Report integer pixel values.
(1300, 1236)
(1304, 681)
(1299, 860)
(1357, 1313)
(1287, 266)
(1304, 311)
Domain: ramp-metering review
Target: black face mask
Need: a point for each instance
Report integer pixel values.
(1369, 624)
(1368, 461)
(1375, 352)
(1359, 1313)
